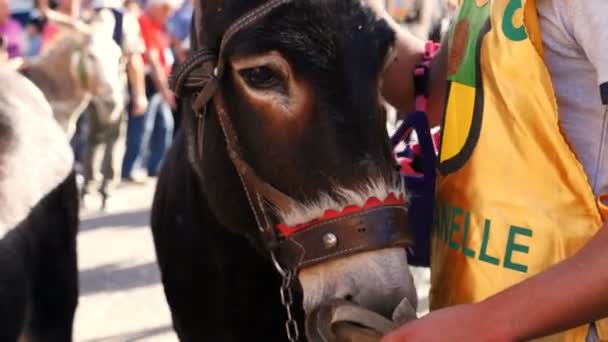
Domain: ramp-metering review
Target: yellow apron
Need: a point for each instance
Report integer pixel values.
(512, 198)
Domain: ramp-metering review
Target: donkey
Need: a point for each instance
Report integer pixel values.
(38, 217)
(281, 158)
(82, 65)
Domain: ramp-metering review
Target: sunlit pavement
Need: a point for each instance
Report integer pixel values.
(121, 296)
(422, 279)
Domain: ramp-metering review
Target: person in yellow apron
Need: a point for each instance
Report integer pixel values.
(520, 239)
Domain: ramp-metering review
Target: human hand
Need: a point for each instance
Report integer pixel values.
(457, 323)
(140, 104)
(169, 97)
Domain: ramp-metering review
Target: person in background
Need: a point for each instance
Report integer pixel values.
(133, 7)
(103, 134)
(179, 30)
(3, 51)
(11, 32)
(34, 28)
(150, 136)
(51, 30)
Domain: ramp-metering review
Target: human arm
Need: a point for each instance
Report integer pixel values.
(153, 58)
(159, 77)
(588, 22)
(133, 47)
(398, 85)
(135, 73)
(571, 293)
(180, 52)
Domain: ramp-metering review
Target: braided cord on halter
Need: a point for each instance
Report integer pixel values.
(78, 69)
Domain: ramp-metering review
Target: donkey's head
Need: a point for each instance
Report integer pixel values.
(300, 89)
(106, 66)
(81, 63)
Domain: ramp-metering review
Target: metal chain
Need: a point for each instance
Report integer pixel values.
(291, 326)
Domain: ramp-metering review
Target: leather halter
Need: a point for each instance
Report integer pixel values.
(372, 229)
(79, 70)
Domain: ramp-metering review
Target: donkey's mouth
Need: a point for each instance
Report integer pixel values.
(393, 199)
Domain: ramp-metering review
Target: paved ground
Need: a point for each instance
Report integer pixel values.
(121, 294)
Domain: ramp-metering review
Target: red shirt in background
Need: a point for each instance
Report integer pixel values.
(156, 38)
(49, 33)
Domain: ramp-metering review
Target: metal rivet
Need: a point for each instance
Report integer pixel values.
(330, 240)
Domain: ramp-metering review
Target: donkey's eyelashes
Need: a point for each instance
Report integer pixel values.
(263, 72)
(262, 77)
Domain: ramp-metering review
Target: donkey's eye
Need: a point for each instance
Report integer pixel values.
(261, 77)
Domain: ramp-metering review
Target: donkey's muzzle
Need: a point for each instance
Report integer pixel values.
(368, 230)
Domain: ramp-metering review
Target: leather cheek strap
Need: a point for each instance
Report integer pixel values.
(372, 229)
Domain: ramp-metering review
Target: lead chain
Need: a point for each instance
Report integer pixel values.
(291, 326)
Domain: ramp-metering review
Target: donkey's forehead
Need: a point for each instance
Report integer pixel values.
(212, 18)
(318, 34)
(329, 19)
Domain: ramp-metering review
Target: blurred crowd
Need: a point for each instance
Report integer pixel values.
(153, 36)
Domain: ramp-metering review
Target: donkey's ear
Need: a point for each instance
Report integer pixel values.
(67, 22)
(196, 24)
(205, 11)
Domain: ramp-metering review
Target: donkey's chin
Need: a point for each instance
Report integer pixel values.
(379, 281)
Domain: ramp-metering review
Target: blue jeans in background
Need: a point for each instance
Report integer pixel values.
(149, 137)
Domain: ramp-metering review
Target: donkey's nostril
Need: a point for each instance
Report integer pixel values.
(348, 297)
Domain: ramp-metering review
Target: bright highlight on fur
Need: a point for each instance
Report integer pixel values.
(306, 212)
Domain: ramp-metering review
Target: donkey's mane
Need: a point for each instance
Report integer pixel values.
(303, 28)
